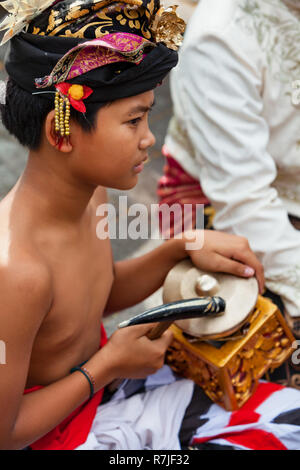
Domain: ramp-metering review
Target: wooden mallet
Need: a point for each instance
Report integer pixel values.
(166, 314)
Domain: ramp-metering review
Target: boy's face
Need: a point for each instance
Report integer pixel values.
(112, 155)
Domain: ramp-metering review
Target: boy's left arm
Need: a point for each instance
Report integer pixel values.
(137, 278)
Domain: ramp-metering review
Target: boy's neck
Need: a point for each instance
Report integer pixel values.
(57, 195)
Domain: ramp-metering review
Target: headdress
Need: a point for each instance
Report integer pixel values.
(89, 51)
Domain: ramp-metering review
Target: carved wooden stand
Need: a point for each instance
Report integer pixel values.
(229, 373)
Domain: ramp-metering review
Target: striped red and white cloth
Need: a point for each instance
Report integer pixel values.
(269, 420)
(165, 412)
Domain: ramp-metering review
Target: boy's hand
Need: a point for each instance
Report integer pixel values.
(132, 355)
(222, 252)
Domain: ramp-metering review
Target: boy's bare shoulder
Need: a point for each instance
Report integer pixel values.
(24, 274)
(25, 284)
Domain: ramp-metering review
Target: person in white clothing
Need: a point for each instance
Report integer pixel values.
(236, 130)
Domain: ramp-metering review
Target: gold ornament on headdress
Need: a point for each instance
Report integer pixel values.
(168, 27)
(21, 12)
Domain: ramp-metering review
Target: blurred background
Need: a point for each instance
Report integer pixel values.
(13, 159)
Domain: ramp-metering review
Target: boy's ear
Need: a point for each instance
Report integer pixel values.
(66, 146)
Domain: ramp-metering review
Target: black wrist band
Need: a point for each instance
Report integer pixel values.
(78, 368)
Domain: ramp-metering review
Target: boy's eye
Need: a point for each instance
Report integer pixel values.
(134, 122)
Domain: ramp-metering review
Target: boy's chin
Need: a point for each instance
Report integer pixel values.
(125, 185)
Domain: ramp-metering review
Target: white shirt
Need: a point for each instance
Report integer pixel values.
(236, 129)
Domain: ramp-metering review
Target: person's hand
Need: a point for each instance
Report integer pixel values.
(134, 356)
(222, 252)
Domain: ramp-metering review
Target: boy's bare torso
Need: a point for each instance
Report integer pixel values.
(81, 271)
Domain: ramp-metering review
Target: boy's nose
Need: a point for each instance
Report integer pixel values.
(147, 141)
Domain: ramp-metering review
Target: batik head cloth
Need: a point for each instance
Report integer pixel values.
(112, 47)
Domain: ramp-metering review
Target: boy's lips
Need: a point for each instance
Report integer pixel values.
(140, 166)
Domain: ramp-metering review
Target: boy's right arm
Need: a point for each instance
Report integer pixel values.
(26, 297)
(25, 292)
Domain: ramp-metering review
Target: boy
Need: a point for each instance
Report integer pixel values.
(57, 277)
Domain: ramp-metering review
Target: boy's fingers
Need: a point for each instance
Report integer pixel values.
(230, 266)
(165, 339)
(250, 261)
(168, 337)
(237, 268)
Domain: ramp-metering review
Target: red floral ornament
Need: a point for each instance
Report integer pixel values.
(76, 94)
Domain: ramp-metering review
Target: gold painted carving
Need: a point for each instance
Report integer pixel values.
(229, 374)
